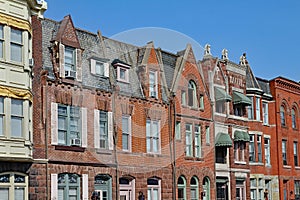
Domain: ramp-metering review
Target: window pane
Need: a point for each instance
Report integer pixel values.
(19, 193)
(125, 124)
(60, 194)
(155, 145)
(16, 107)
(122, 74)
(16, 52)
(125, 141)
(16, 36)
(1, 125)
(62, 137)
(155, 194)
(148, 125)
(1, 48)
(4, 194)
(149, 194)
(16, 126)
(100, 68)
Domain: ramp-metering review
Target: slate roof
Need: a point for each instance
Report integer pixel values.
(264, 85)
(251, 81)
(169, 63)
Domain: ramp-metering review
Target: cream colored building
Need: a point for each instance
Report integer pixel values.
(15, 94)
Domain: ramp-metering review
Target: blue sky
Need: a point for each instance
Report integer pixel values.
(268, 31)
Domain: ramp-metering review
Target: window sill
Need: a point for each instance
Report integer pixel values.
(297, 167)
(256, 163)
(193, 158)
(104, 151)
(149, 154)
(69, 148)
(101, 76)
(287, 167)
(220, 114)
(240, 162)
(123, 81)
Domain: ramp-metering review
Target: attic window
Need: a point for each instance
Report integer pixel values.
(70, 62)
(99, 68)
(123, 73)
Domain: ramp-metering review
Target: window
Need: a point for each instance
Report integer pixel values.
(183, 98)
(68, 125)
(1, 115)
(122, 74)
(238, 110)
(99, 68)
(294, 121)
(256, 189)
(282, 116)
(206, 188)
(267, 151)
(194, 188)
(207, 135)
(220, 106)
(1, 41)
(240, 190)
(296, 154)
(153, 84)
(68, 186)
(251, 149)
(127, 186)
(188, 140)
(16, 117)
(222, 188)
(284, 152)
(192, 94)
(70, 62)
(221, 155)
(153, 136)
(103, 186)
(250, 109)
(13, 186)
(126, 133)
(257, 108)
(265, 113)
(153, 191)
(259, 148)
(16, 45)
(103, 130)
(201, 102)
(181, 188)
(297, 189)
(239, 148)
(177, 131)
(197, 141)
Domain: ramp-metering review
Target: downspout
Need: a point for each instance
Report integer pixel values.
(115, 139)
(172, 124)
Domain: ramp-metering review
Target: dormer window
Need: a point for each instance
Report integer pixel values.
(153, 84)
(122, 70)
(99, 67)
(70, 62)
(123, 74)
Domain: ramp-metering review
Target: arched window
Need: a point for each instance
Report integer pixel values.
(153, 191)
(192, 94)
(294, 118)
(103, 186)
(181, 188)
(13, 186)
(206, 189)
(282, 115)
(194, 188)
(68, 186)
(127, 187)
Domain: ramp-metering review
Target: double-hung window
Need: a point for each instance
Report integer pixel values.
(259, 148)
(294, 121)
(284, 152)
(153, 136)
(194, 188)
(207, 134)
(1, 41)
(69, 125)
(70, 62)
(16, 45)
(99, 68)
(267, 151)
(250, 109)
(265, 113)
(16, 117)
(68, 186)
(126, 133)
(1, 115)
(282, 115)
(192, 94)
(251, 149)
(257, 108)
(296, 153)
(197, 140)
(103, 130)
(13, 186)
(153, 84)
(297, 189)
(183, 98)
(188, 140)
(153, 189)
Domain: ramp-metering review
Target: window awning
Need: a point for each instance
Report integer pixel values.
(241, 136)
(240, 98)
(221, 95)
(223, 140)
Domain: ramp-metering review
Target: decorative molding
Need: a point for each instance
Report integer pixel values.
(14, 22)
(15, 93)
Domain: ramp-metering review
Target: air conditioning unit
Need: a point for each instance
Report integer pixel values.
(31, 62)
(153, 94)
(75, 142)
(70, 74)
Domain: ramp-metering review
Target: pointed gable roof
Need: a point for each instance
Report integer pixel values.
(67, 33)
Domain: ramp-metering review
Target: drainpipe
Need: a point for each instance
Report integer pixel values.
(172, 123)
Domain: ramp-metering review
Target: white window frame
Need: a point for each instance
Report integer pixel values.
(257, 108)
(201, 102)
(284, 152)
(150, 136)
(250, 109)
(182, 187)
(188, 140)
(294, 118)
(17, 44)
(103, 136)
(151, 188)
(127, 133)
(194, 188)
(252, 147)
(178, 130)
(242, 189)
(19, 117)
(2, 115)
(259, 148)
(70, 66)
(207, 134)
(95, 64)
(267, 151)
(2, 41)
(65, 187)
(183, 98)
(153, 86)
(126, 74)
(265, 113)
(239, 151)
(128, 188)
(11, 184)
(282, 116)
(296, 153)
(192, 94)
(197, 141)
